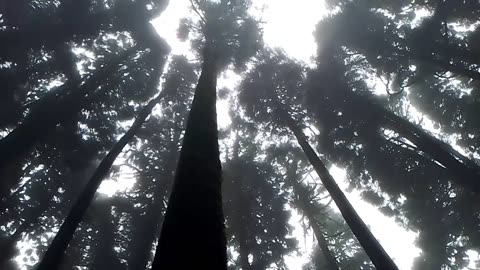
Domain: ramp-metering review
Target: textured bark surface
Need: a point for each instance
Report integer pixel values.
(52, 258)
(372, 247)
(193, 233)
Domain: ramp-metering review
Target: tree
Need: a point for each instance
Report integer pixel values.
(336, 247)
(194, 220)
(403, 159)
(53, 256)
(254, 203)
(155, 161)
(419, 58)
(272, 91)
(49, 106)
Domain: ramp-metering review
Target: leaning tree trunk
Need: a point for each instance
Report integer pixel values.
(53, 256)
(241, 207)
(192, 235)
(372, 247)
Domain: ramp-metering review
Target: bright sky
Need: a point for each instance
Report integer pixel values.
(290, 26)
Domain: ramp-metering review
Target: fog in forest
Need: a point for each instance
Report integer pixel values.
(239, 134)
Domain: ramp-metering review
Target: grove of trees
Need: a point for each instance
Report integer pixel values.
(91, 96)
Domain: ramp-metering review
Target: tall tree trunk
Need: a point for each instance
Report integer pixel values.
(105, 256)
(306, 206)
(323, 244)
(50, 111)
(144, 237)
(241, 206)
(149, 227)
(242, 228)
(192, 235)
(141, 250)
(53, 256)
(372, 247)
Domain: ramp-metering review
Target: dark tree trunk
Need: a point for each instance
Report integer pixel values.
(192, 235)
(306, 206)
(105, 256)
(323, 244)
(52, 258)
(241, 207)
(242, 236)
(372, 247)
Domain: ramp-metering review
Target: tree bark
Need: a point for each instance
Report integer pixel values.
(372, 247)
(53, 256)
(192, 236)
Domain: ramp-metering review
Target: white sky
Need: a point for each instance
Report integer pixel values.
(290, 26)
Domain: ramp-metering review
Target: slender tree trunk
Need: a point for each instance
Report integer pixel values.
(192, 236)
(149, 229)
(372, 247)
(323, 244)
(241, 207)
(53, 256)
(242, 229)
(105, 256)
(240, 217)
(307, 208)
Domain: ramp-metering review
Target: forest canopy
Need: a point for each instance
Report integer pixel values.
(156, 134)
